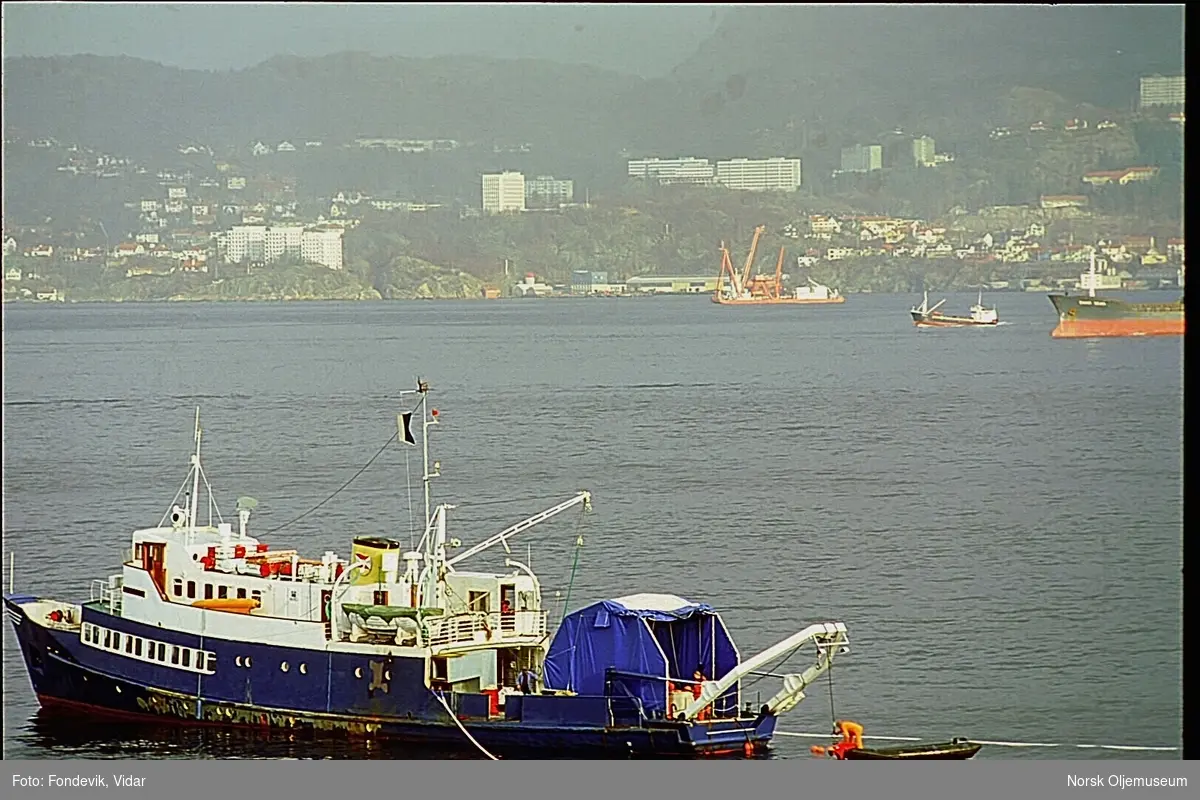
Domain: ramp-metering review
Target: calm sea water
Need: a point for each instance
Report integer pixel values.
(996, 515)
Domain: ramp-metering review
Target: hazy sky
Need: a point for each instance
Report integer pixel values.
(642, 39)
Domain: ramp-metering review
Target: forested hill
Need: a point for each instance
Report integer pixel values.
(770, 79)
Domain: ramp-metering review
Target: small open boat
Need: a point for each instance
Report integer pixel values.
(954, 750)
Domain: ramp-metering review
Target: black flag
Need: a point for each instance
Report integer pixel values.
(405, 430)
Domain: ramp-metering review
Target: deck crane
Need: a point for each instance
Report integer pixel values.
(764, 286)
(750, 259)
(779, 274)
(726, 269)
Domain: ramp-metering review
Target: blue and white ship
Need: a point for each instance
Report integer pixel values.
(208, 625)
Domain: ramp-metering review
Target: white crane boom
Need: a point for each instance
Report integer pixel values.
(502, 536)
(829, 636)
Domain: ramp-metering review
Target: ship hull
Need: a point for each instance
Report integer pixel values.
(70, 676)
(939, 321)
(1093, 317)
(783, 301)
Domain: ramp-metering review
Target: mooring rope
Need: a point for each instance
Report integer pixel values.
(997, 743)
(462, 728)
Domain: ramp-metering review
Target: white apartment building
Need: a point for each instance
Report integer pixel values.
(322, 246)
(1157, 90)
(923, 151)
(862, 158)
(245, 243)
(282, 240)
(504, 191)
(758, 175)
(546, 190)
(673, 170)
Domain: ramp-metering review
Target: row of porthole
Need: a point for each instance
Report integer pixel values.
(283, 666)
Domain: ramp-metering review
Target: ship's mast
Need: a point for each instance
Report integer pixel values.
(428, 419)
(1092, 273)
(195, 476)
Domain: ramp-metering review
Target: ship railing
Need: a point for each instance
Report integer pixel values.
(108, 593)
(480, 627)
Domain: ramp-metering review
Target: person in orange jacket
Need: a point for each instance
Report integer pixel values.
(852, 738)
(698, 689)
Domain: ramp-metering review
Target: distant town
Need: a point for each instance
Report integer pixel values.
(221, 215)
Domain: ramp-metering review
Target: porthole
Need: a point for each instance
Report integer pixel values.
(237, 660)
(303, 669)
(118, 688)
(284, 666)
(358, 672)
(387, 675)
(247, 661)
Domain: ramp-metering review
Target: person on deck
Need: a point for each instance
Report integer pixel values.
(697, 689)
(527, 681)
(852, 738)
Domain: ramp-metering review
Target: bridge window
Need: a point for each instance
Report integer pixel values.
(212, 662)
(478, 602)
(208, 592)
(137, 647)
(174, 654)
(191, 592)
(257, 595)
(162, 652)
(116, 643)
(222, 592)
(177, 586)
(241, 593)
(187, 657)
(129, 645)
(107, 638)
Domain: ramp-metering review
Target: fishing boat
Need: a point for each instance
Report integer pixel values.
(926, 317)
(1088, 317)
(398, 642)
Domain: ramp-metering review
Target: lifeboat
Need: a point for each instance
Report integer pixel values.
(234, 605)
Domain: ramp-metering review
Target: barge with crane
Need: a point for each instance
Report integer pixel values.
(207, 624)
(743, 289)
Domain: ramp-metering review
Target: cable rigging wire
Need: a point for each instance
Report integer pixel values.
(353, 477)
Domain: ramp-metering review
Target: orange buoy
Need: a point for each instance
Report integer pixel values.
(817, 750)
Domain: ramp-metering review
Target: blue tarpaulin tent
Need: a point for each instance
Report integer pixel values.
(632, 646)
